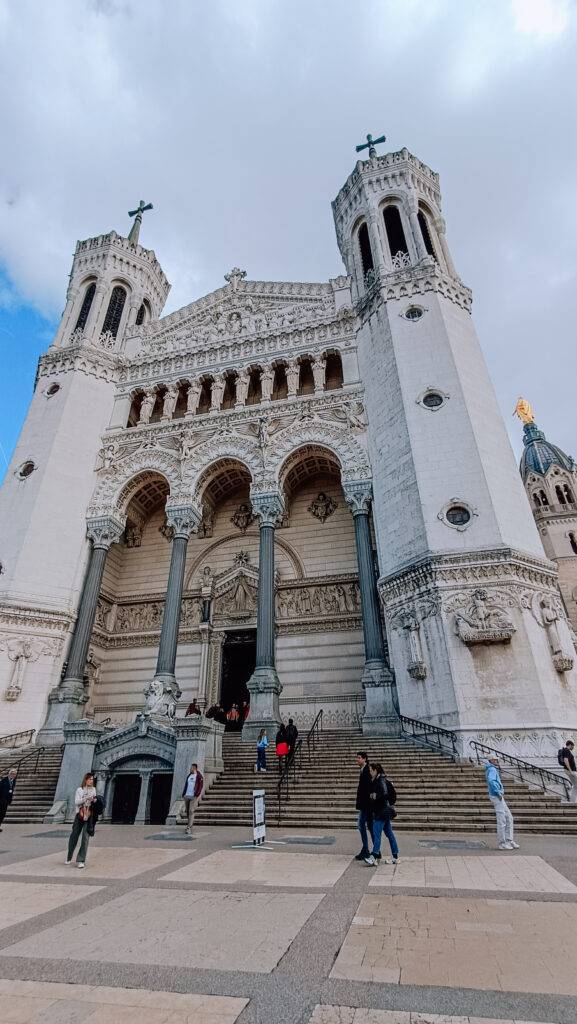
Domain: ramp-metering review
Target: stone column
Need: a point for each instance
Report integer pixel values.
(140, 818)
(95, 313)
(440, 229)
(163, 692)
(380, 716)
(418, 239)
(374, 227)
(66, 702)
(264, 684)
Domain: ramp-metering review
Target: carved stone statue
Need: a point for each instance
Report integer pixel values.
(216, 393)
(193, 398)
(169, 405)
(148, 403)
(292, 379)
(482, 621)
(319, 366)
(20, 653)
(266, 383)
(322, 507)
(550, 617)
(206, 525)
(416, 668)
(160, 701)
(242, 518)
(133, 535)
(242, 382)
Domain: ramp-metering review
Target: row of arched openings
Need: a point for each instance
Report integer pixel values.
(563, 493)
(115, 309)
(396, 238)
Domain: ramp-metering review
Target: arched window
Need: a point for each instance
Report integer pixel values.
(540, 499)
(365, 249)
(114, 311)
(544, 499)
(141, 314)
(280, 386)
(568, 494)
(560, 496)
(85, 307)
(426, 234)
(537, 500)
(573, 542)
(395, 234)
(334, 371)
(306, 378)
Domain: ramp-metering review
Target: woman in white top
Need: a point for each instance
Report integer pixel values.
(83, 799)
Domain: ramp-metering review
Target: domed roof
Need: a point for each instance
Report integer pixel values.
(539, 454)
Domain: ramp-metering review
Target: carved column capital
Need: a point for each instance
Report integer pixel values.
(182, 520)
(358, 496)
(104, 531)
(267, 508)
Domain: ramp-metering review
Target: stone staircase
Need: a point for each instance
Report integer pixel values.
(35, 785)
(434, 793)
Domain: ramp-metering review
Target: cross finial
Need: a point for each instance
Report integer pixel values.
(234, 277)
(137, 214)
(370, 145)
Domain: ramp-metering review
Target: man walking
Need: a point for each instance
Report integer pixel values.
(363, 804)
(6, 793)
(191, 795)
(292, 735)
(566, 759)
(502, 812)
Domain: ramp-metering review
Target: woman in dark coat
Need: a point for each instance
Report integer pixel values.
(382, 797)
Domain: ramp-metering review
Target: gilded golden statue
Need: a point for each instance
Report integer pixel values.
(524, 411)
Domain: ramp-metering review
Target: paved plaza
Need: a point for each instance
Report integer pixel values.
(159, 929)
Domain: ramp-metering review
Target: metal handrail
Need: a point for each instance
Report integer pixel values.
(16, 764)
(434, 736)
(313, 733)
(17, 739)
(518, 765)
(283, 788)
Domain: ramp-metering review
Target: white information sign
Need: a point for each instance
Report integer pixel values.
(258, 816)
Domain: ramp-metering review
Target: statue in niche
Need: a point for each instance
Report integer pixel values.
(242, 518)
(20, 652)
(416, 667)
(133, 535)
(266, 383)
(242, 383)
(148, 403)
(322, 507)
(169, 405)
(549, 619)
(206, 525)
(193, 397)
(482, 621)
(292, 379)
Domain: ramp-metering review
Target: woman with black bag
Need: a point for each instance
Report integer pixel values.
(382, 797)
(83, 799)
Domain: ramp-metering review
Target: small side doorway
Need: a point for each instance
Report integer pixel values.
(159, 797)
(238, 662)
(125, 799)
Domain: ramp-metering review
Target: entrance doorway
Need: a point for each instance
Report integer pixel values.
(125, 799)
(159, 797)
(238, 662)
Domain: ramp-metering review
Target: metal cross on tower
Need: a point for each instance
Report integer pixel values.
(137, 214)
(370, 145)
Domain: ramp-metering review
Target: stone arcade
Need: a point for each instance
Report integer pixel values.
(248, 497)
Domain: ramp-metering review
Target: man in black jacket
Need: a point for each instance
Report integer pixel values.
(364, 803)
(6, 793)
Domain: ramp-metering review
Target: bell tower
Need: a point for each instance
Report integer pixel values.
(114, 283)
(470, 645)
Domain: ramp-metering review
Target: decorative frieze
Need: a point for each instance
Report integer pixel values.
(23, 651)
(322, 507)
(481, 618)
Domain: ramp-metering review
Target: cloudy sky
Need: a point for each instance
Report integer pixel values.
(238, 120)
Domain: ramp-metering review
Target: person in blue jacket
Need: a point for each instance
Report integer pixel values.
(502, 812)
(261, 745)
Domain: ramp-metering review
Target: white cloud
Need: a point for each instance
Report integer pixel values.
(542, 18)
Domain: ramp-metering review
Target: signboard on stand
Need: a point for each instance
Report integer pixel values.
(258, 817)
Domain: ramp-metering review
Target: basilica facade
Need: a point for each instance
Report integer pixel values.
(296, 495)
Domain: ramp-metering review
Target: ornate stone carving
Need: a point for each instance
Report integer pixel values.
(133, 535)
(267, 507)
(314, 601)
(241, 558)
(217, 393)
(239, 601)
(242, 518)
(104, 531)
(548, 611)
(161, 699)
(241, 390)
(182, 520)
(358, 496)
(21, 651)
(266, 383)
(322, 507)
(481, 619)
(169, 404)
(193, 398)
(292, 378)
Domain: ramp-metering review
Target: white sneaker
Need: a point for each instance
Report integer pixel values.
(506, 846)
(263, 770)
(370, 860)
(514, 846)
(187, 832)
(68, 862)
(80, 866)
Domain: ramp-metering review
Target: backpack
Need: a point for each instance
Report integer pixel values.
(391, 793)
(560, 756)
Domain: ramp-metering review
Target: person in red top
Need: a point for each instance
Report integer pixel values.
(191, 795)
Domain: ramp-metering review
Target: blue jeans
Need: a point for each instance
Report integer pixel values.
(260, 758)
(364, 822)
(378, 828)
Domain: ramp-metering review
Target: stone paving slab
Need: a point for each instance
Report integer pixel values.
(219, 930)
(101, 862)
(19, 901)
(512, 873)
(277, 869)
(324, 1014)
(513, 946)
(36, 1002)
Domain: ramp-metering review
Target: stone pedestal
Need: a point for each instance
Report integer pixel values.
(198, 741)
(265, 688)
(380, 717)
(64, 705)
(80, 739)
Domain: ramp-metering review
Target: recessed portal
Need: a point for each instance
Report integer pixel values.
(159, 797)
(238, 662)
(125, 799)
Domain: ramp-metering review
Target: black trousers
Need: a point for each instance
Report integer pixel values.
(3, 808)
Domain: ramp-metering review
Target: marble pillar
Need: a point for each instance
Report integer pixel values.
(66, 702)
(380, 716)
(264, 685)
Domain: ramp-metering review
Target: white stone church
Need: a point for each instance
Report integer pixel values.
(300, 495)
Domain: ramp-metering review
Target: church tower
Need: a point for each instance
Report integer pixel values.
(114, 283)
(478, 636)
(550, 478)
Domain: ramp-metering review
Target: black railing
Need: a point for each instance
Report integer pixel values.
(548, 780)
(17, 739)
(313, 734)
(16, 764)
(292, 764)
(434, 736)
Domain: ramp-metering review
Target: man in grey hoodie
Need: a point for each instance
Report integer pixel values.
(502, 812)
